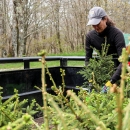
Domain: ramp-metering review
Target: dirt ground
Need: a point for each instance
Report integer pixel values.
(39, 120)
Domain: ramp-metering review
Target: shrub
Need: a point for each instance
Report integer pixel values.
(98, 71)
(13, 109)
(84, 111)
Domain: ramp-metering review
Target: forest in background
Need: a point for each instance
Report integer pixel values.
(27, 26)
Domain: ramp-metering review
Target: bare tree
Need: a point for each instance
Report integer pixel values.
(26, 22)
(55, 25)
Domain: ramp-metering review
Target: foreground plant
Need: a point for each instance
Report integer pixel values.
(66, 110)
(44, 93)
(91, 110)
(13, 109)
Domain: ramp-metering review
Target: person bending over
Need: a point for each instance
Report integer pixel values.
(104, 27)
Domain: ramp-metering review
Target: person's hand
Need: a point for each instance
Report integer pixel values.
(106, 87)
(108, 84)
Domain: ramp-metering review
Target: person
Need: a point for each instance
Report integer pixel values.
(104, 27)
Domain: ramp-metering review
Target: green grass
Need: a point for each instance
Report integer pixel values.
(10, 65)
(15, 66)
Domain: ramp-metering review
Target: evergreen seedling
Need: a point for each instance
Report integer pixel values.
(99, 70)
(82, 110)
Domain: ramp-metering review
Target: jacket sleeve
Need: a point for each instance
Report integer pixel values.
(120, 44)
(88, 49)
(116, 76)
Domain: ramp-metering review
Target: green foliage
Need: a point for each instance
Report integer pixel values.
(99, 70)
(13, 109)
(89, 111)
(80, 111)
(99, 107)
(103, 106)
(22, 123)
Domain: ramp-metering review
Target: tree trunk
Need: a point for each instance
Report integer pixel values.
(3, 28)
(18, 40)
(15, 31)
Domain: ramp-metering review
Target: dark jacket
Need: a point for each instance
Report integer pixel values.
(116, 41)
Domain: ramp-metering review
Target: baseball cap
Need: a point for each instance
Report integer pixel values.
(95, 15)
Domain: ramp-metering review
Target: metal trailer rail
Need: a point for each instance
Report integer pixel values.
(26, 60)
(26, 78)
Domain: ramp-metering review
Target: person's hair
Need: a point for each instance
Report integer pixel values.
(109, 21)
